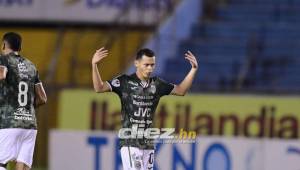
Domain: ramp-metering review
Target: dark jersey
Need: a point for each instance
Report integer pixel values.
(139, 101)
(17, 93)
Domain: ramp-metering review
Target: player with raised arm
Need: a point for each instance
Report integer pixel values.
(139, 94)
(21, 91)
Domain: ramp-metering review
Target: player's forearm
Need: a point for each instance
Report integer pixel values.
(186, 84)
(97, 81)
(3, 72)
(2, 76)
(41, 96)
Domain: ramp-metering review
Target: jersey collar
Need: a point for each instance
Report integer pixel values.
(14, 53)
(142, 83)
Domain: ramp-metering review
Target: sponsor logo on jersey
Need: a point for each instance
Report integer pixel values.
(22, 114)
(22, 67)
(134, 88)
(133, 83)
(22, 111)
(22, 70)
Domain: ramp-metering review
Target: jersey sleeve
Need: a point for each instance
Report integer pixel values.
(164, 88)
(37, 78)
(3, 62)
(117, 84)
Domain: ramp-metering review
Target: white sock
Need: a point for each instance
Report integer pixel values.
(2, 168)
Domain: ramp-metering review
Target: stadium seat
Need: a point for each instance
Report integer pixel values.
(261, 35)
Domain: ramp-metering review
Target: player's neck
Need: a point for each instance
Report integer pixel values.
(140, 76)
(8, 51)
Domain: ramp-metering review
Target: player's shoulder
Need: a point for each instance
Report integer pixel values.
(121, 76)
(118, 80)
(160, 80)
(3, 58)
(157, 79)
(29, 63)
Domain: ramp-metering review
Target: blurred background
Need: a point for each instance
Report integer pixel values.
(244, 103)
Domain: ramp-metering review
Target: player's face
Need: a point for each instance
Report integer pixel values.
(145, 66)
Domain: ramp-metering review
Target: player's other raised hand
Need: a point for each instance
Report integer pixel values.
(192, 59)
(99, 55)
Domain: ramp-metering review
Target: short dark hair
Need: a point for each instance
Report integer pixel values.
(14, 40)
(145, 51)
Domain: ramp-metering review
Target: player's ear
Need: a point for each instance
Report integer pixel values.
(3, 45)
(136, 63)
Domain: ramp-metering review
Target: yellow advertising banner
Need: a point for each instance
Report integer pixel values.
(234, 115)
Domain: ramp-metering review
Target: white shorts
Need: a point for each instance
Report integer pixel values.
(137, 159)
(17, 145)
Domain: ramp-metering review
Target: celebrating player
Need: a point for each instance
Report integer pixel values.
(139, 94)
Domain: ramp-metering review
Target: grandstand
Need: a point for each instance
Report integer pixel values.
(247, 46)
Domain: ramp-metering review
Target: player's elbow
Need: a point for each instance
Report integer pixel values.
(98, 90)
(40, 101)
(180, 91)
(44, 100)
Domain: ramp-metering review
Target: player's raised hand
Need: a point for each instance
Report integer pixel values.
(192, 59)
(99, 55)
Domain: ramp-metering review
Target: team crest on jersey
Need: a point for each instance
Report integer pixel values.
(152, 88)
(116, 82)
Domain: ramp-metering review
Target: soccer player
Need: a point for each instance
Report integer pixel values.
(21, 91)
(139, 94)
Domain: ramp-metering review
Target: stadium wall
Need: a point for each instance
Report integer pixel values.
(253, 116)
(99, 150)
